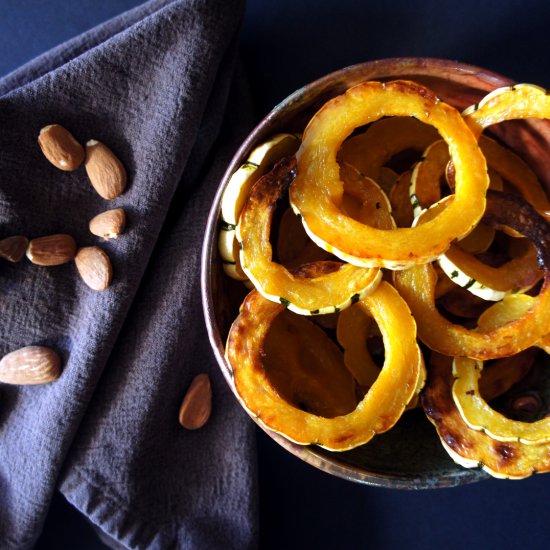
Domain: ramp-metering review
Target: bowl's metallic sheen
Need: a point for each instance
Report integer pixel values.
(410, 455)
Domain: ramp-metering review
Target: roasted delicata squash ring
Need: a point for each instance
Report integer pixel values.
(316, 193)
(378, 410)
(508, 103)
(491, 283)
(512, 307)
(472, 448)
(417, 286)
(327, 293)
(425, 187)
(260, 160)
(503, 164)
(228, 247)
(371, 150)
(518, 274)
(477, 413)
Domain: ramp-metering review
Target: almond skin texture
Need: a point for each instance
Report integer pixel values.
(94, 267)
(105, 171)
(13, 248)
(52, 250)
(197, 404)
(109, 224)
(60, 147)
(30, 365)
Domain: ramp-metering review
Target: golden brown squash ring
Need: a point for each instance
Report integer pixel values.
(377, 412)
(518, 274)
(326, 293)
(511, 307)
(477, 413)
(316, 193)
(472, 448)
(417, 286)
(508, 103)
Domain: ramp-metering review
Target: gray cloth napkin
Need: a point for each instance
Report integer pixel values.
(161, 87)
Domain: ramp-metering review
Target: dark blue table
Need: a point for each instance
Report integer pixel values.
(284, 45)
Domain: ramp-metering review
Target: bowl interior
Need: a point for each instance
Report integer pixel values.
(409, 455)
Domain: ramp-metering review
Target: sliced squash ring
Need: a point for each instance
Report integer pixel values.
(326, 293)
(228, 247)
(477, 413)
(260, 160)
(417, 286)
(512, 307)
(383, 139)
(502, 163)
(508, 103)
(379, 409)
(489, 283)
(472, 448)
(316, 193)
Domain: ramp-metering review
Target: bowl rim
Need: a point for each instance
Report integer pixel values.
(311, 454)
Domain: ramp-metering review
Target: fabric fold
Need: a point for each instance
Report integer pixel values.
(158, 86)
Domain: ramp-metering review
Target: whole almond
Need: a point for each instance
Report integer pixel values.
(52, 249)
(105, 171)
(30, 365)
(197, 404)
(109, 224)
(94, 267)
(13, 248)
(60, 147)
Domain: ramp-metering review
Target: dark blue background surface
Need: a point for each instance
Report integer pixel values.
(286, 44)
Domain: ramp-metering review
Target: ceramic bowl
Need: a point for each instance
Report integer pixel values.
(410, 455)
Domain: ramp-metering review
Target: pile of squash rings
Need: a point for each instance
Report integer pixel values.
(445, 262)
